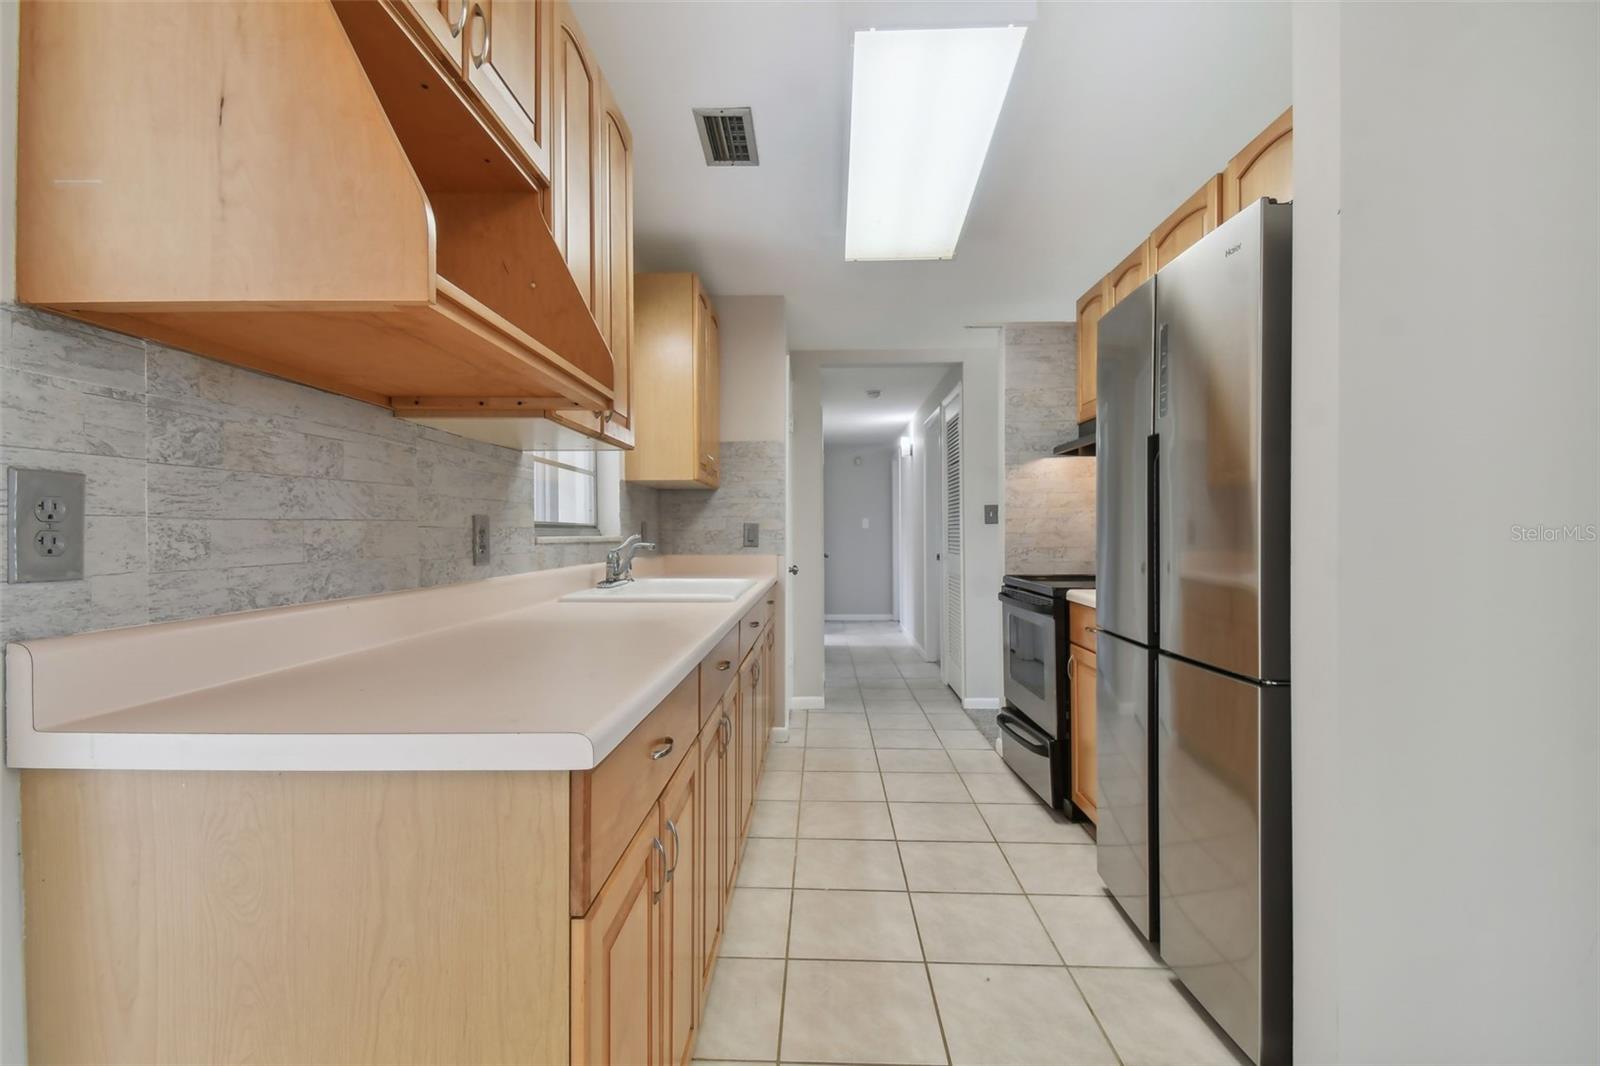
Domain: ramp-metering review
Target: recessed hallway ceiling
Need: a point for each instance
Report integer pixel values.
(1116, 113)
(851, 416)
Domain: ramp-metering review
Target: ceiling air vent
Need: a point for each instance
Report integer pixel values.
(728, 135)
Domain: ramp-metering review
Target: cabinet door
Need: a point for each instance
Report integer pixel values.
(707, 371)
(713, 816)
(1128, 275)
(574, 147)
(680, 909)
(1264, 168)
(442, 23)
(508, 65)
(616, 959)
(614, 273)
(1194, 218)
(1091, 305)
(1085, 775)
(731, 823)
(749, 687)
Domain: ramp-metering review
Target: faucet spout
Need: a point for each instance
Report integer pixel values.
(619, 561)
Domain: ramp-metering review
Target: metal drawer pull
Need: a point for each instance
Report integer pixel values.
(655, 894)
(663, 751)
(457, 24)
(756, 624)
(726, 664)
(677, 849)
(1017, 731)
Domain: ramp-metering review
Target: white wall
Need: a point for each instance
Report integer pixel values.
(979, 368)
(755, 367)
(1446, 393)
(858, 530)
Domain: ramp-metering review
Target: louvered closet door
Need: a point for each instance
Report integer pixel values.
(954, 665)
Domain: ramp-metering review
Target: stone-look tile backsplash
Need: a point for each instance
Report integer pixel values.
(1049, 499)
(702, 521)
(212, 489)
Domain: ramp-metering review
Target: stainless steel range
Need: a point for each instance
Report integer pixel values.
(1036, 718)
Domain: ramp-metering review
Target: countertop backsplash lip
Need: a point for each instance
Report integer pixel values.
(541, 712)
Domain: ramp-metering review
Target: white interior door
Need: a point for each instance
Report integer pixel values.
(953, 668)
(932, 576)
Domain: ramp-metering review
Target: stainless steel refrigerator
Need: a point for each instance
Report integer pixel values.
(1193, 648)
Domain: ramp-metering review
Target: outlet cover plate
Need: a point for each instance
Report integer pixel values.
(752, 534)
(991, 514)
(480, 540)
(44, 520)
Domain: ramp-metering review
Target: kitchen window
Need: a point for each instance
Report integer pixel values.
(565, 494)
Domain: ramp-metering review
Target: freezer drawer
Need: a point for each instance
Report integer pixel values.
(1123, 827)
(1222, 416)
(1224, 859)
(1124, 380)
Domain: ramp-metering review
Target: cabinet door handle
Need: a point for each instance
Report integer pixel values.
(655, 893)
(756, 624)
(662, 752)
(725, 665)
(677, 849)
(479, 55)
(1071, 662)
(459, 22)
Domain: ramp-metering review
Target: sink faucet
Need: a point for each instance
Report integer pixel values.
(619, 561)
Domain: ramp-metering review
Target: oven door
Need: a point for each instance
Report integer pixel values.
(1029, 657)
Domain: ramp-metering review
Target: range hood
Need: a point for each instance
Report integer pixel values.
(1082, 444)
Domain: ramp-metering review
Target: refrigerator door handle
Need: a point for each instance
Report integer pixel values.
(1018, 730)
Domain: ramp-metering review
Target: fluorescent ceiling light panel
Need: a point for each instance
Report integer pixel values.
(923, 108)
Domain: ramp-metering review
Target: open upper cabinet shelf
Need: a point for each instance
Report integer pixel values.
(302, 189)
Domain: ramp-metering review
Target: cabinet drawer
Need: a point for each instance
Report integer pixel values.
(609, 802)
(718, 671)
(752, 624)
(1080, 626)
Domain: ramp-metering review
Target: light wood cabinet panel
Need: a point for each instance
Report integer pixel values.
(714, 855)
(749, 697)
(1128, 275)
(508, 63)
(1084, 768)
(442, 23)
(616, 959)
(1091, 306)
(1194, 218)
(675, 381)
(615, 214)
(574, 149)
(679, 828)
(1264, 168)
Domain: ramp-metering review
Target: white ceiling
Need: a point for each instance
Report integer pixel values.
(1117, 112)
(850, 416)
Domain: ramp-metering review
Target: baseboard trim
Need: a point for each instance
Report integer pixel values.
(858, 618)
(981, 703)
(780, 734)
(806, 703)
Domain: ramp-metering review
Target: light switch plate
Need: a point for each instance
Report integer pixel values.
(44, 520)
(752, 534)
(991, 514)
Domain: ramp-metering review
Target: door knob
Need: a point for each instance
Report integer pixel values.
(794, 568)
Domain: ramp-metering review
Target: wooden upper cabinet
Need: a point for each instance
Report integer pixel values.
(574, 153)
(615, 276)
(442, 22)
(1264, 168)
(507, 62)
(1091, 305)
(1194, 218)
(675, 370)
(1128, 275)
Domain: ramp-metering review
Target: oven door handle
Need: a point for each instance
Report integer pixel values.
(1018, 730)
(1027, 601)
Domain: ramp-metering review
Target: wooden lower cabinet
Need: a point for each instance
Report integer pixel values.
(749, 742)
(679, 830)
(1083, 750)
(617, 958)
(716, 846)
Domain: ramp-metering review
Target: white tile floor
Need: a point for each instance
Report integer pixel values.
(904, 899)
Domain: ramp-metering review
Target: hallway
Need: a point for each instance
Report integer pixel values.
(904, 899)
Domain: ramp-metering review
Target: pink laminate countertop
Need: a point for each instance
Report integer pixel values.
(540, 686)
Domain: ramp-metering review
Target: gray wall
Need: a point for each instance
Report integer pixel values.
(1445, 673)
(1049, 508)
(860, 566)
(706, 521)
(211, 488)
